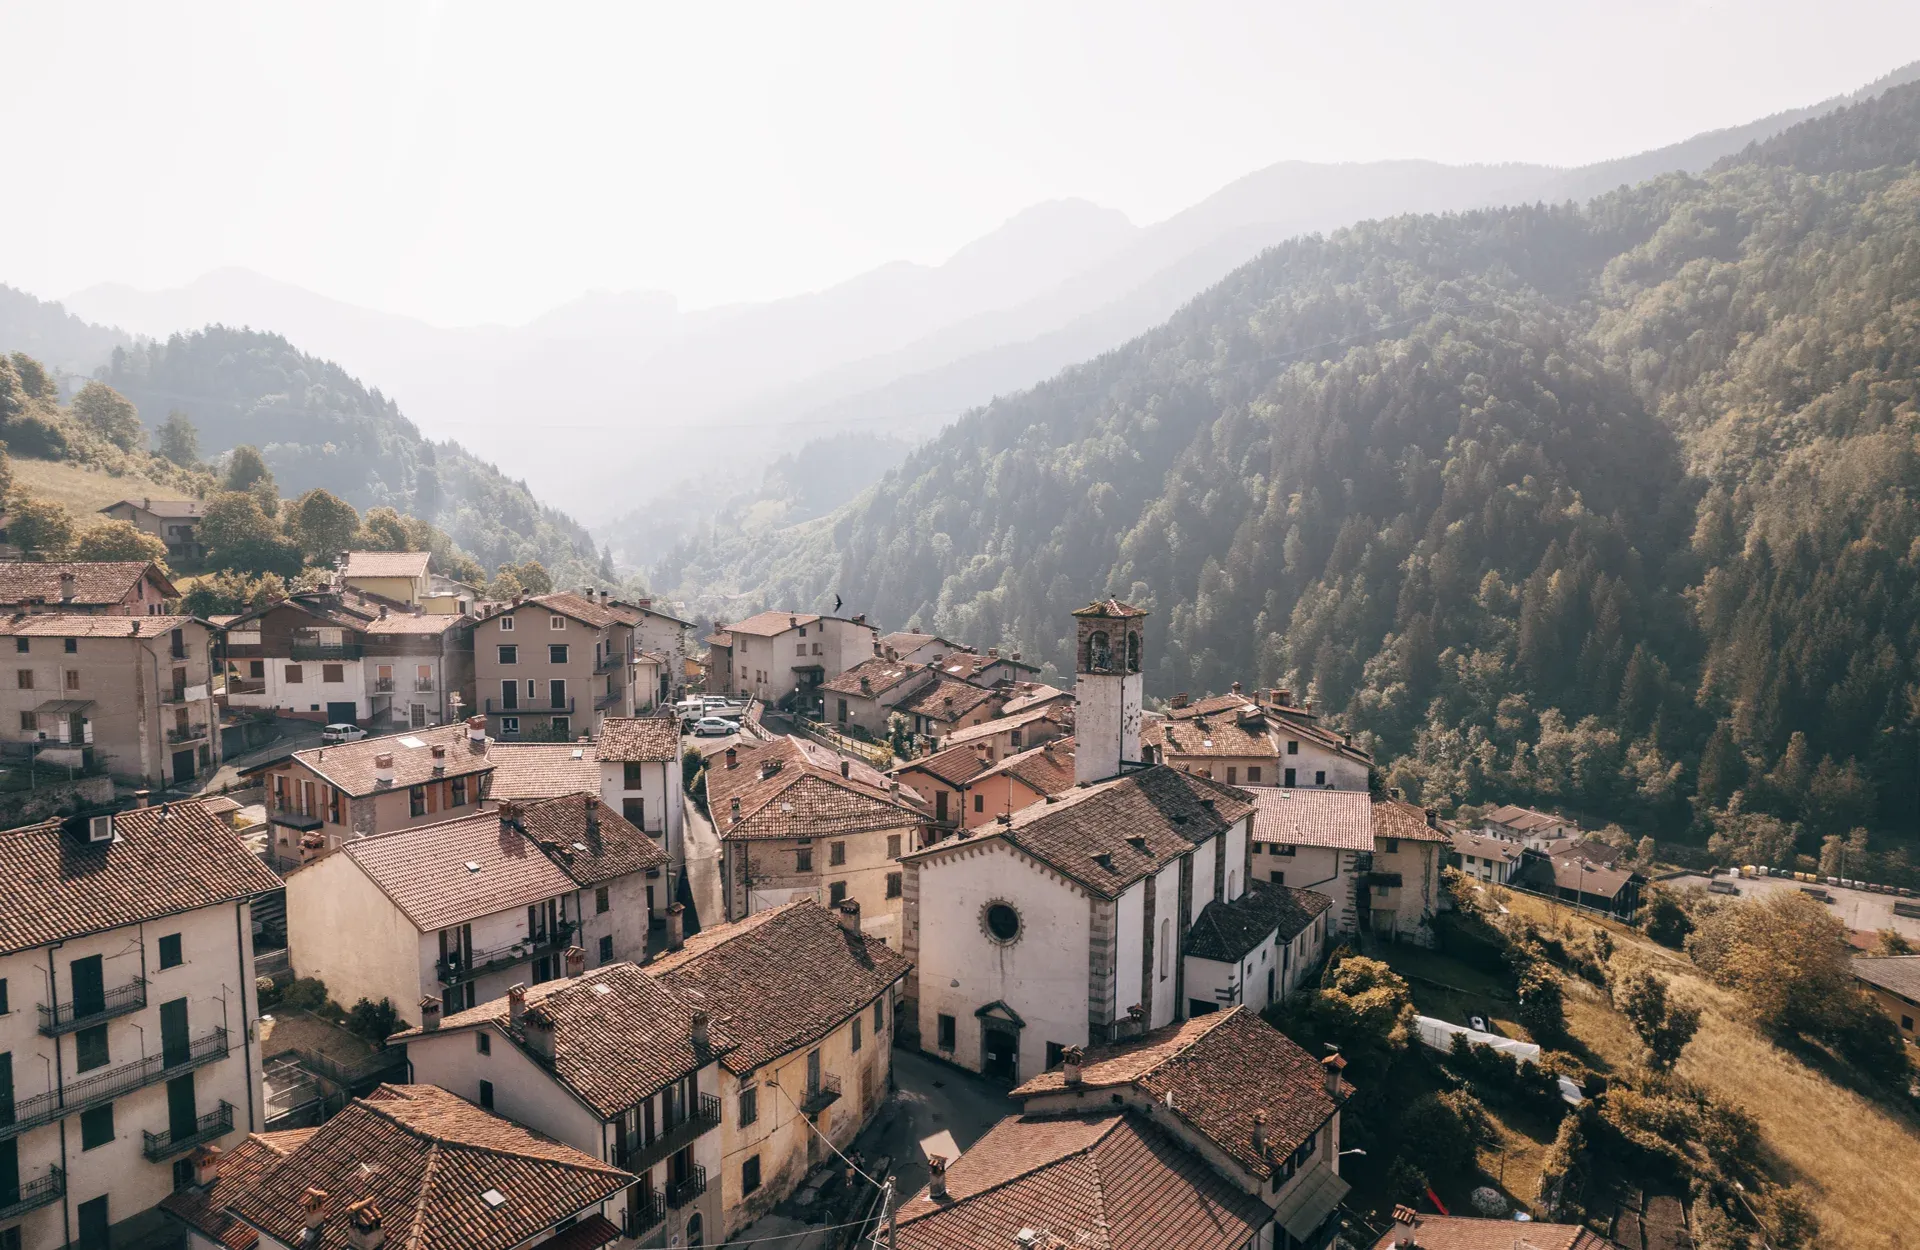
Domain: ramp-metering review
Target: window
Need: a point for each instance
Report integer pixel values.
(750, 1170)
(70, 645)
(506, 624)
(630, 775)
(800, 649)
(257, 669)
(25, 678)
(557, 653)
(417, 801)
(3, 997)
(635, 810)
(856, 1035)
(1390, 846)
(509, 653)
(1293, 746)
(1056, 1055)
(1380, 891)
(170, 951)
(893, 885)
(29, 723)
(20, 645)
(836, 854)
(1320, 777)
(1287, 779)
(606, 949)
(93, 1224)
(836, 893)
(601, 901)
(90, 1048)
(486, 1094)
(1002, 921)
(509, 724)
(557, 692)
(945, 1028)
(803, 860)
(293, 674)
(1253, 774)
(1166, 947)
(1278, 878)
(458, 795)
(979, 802)
(96, 1127)
(1906, 1022)
(483, 1042)
(749, 1105)
(893, 846)
(879, 1015)
(556, 622)
(1233, 775)
(182, 1174)
(562, 726)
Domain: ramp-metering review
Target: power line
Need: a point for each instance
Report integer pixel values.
(815, 1130)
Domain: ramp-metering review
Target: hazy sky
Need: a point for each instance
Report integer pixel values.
(466, 162)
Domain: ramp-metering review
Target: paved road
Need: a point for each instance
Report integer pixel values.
(1857, 909)
(702, 846)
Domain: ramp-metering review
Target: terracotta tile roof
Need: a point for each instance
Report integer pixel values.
(1574, 873)
(932, 699)
(1011, 719)
(1483, 846)
(649, 608)
(348, 766)
(1340, 819)
(459, 870)
(387, 563)
(1084, 835)
(166, 859)
(1109, 608)
(205, 1209)
(414, 623)
(95, 584)
(956, 765)
(619, 1035)
(1220, 1069)
(719, 638)
(165, 507)
(1210, 706)
(780, 980)
(639, 739)
(578, 607)
(903, 641)
(1110, 1181)
(804, 797)
(1397, 818)
(1226, 932)
(589, 1234)
(1523, 819)
(966, 665)
(73, 625)
(1217, 734)
(427, 1159)
(543, 770)
(881, 675)
(1045, 769)
(1587, 849)
(771, 624)
(1457, 1232)
(1898, 974)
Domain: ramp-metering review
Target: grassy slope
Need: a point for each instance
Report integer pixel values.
(83, 491)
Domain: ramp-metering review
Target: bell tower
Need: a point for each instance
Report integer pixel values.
(1108, 641)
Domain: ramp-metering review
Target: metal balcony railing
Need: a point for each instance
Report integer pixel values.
(454, 968)
(39, 1192)
(644, 1213)
(324, 651)
(100, 1088)
(383, 685)
(192, 733)
(608, 700)
(246, 685)
(530, 707)
(635, 1157)
(680, 1193)
(424, 685)
(822, 1096)
(118, 1001)
(610, 661)
(215, 1123)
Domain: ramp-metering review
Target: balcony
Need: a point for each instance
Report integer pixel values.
(610, 699)
(455, 969)
(645, 1212)
(612, 661)
(821, 1096)
(425, 685)
(295, 820)
(100, 1088)
(638, 1158)
(192, 733)
(680, 1193)
(324, 651)
(48, 1189)
(530, 708)
(383, 685)
(118, 1001)
(246, 685)
(215, 1124)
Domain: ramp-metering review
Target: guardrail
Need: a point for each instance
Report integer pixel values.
(324, 651)
(103, 1087)
(215, 1123)
(37, 1193)
(680, 1193)
(118, 1001)
(496, 708)
(705, 1118)
(821, 1096)
(867, 752)
(454, 969)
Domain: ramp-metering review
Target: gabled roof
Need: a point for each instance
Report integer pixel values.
(1086, 835)
(945, 698)
(1897, 974)
(577, 607)
(1585, 848)
(966, 665)
(97, 584)
(1045, 769)
(543, 770)
(1573, 873)
(1397, 818)
(1029, 697)
(1524, 819)
(1338, 819)
(387, 563)
(1108, 1180)
(618, 1034)
(646, 607)
(780, 979)
(163, 860)
(719, 638)
(77, 625)
(414, 623)
(1485, 846)
(349, 766)
(426, 1159)
(1224, 733)
(639, 739)
(903, 640)
(1111, 608)
(205, 1209)
(1226, 932)
(1215, 1072)
(178, 509)
(771, 624)
(804, 796)
(956, 765)
(1210, 706)
(1459, 1232)
(880, 674)
(565, 828)
(1008, 719)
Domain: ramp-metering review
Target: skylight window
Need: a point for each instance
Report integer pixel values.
(412, 743)
(579, 754)
(473, 865)
(494, 1198)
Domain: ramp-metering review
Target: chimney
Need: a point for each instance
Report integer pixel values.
(140, 797)
(1235, 688)
(1332, 1065)
(69, 586)
(793, 622)
(476, 731)
(509, 816)
(592, 806)
(383, 769)
(698, 1030)
(1260, 1134)
(1283, 698)
(1180, 700)
(733, 809)
(1071, 1058)
(850, 915)
(937, 1177)
(1016, 656)
(206, 1165)
(1433, 818)
(732, 758)
(429, 1013)
(537, 1027)
(439, 758)
(1393, 792)
(1005, 818)
(576, 961)
(1136, 1020)
(846, 768)
(516, 1005)
(383, 611)
(866, 685)
(676, 926)
(364, 1231)
(313, 1207)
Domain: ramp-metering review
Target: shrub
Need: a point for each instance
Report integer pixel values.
(1442, 1133)
(374, 1021)
(304, 994)
(1785, 954)
(1665, 1027)
(1663, 917)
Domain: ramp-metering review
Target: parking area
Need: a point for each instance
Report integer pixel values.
(1857, 909)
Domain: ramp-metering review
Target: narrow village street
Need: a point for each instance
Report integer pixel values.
(702, 843)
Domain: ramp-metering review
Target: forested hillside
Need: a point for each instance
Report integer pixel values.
(1609, 505)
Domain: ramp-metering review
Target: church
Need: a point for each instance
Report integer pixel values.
(1068, 923)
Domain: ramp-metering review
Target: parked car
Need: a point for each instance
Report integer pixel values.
(341, 732)
(715, 727)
